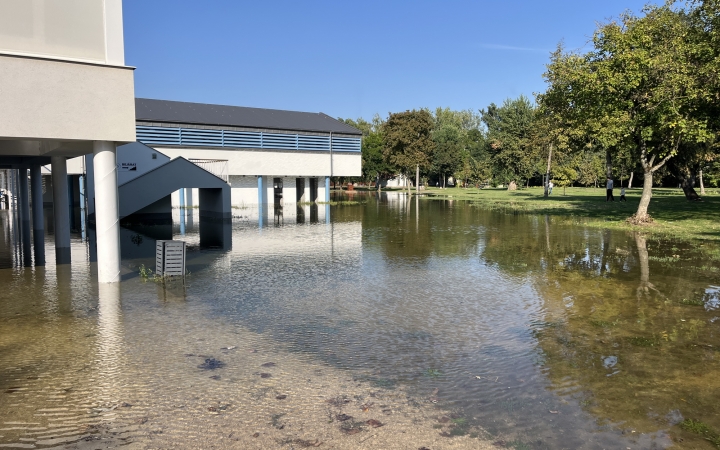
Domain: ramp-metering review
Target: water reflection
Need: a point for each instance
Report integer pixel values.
(110, 345)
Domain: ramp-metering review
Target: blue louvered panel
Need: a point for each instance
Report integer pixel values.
(243, 139)
(306, 142)
(158, 135)
(281, 141)
(341, 144)
(201, 138)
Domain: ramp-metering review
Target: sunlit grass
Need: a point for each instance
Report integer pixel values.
(674, 217)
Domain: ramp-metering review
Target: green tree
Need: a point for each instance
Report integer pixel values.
(641, 86)
(565, 175)
(509, 128)
(407, 141)
(591, 167)
(447, 156)
(375, 168)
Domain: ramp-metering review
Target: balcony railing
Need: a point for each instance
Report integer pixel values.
(217, 167)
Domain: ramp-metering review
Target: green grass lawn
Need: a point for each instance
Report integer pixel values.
(674, 216)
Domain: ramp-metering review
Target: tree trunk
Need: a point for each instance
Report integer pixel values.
(444, 181)
(630, 180)
(688, 185)
(547, 172)
(641, 215)
(702, 186)
(417, 178)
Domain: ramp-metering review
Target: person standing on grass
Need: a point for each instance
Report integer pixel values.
(610, 197)
(622, 194)
(550, 186)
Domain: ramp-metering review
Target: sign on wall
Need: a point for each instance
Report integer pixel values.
(128, 167)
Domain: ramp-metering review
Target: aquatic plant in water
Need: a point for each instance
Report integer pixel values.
(433, 373)
(697, 427)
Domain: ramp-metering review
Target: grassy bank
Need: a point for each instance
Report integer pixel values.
(674, 216)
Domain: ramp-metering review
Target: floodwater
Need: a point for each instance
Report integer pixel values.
(526, 331)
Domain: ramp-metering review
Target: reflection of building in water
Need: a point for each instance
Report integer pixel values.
(341, 240)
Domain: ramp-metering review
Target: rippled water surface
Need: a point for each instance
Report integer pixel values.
(537, 332)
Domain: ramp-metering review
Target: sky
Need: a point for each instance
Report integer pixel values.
(353, 59)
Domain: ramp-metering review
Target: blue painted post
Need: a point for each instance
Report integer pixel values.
(181, 194)
(327, 200)
(261, 196)
(82, 208)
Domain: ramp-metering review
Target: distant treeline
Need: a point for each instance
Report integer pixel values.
(642, 106)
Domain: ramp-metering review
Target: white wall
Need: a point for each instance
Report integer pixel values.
(138, 157)
(276, 163)
(57, 100)
(80, 30)
(244, 191)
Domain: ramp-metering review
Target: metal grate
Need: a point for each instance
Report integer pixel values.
(201, 138)
(313, 142)
(342, 144)
(170, 258)
(158, 135)
(195, 137)
(241, 139)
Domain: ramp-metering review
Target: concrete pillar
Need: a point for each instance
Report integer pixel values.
(24, 196)
(327, 189)
(61, 210)
(306, 194)
(107, 221)
(38, 222)
(24, 206)
(90, 186)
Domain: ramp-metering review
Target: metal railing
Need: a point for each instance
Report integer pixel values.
(217, 167)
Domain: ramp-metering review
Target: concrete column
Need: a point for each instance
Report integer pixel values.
(24, 196)
(38, 221)
(90, 186)
(61, 210)
(327, 189)
(107, 221)
(306, 194)
(24, 206)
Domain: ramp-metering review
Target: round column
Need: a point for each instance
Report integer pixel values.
(107, 221)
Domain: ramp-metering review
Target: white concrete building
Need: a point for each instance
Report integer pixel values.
(65, 91)
(269, 157)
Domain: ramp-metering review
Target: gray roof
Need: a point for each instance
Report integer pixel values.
(149, 110)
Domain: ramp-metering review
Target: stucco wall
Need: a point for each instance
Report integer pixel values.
(276, 163)
(64, 100)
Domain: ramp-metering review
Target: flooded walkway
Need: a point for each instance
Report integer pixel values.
(396, 325)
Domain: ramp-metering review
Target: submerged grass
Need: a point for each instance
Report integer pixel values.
(674, 217)
(700, 428)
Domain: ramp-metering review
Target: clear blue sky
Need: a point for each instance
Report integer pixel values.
(352, 59)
